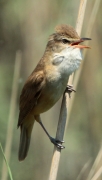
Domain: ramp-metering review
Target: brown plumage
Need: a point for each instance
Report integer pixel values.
(67, 30)
(47, 83)
(28, 100)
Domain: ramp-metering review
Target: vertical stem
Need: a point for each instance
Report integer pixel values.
(65, 105)
(79, 24)
(59, 136)
(88, 33)
(11, 118)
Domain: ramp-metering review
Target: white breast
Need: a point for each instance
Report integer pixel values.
(64, 63)
(68, 60)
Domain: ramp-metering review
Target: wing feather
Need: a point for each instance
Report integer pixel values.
(30, 94)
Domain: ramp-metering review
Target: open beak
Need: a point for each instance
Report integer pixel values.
(77, 44)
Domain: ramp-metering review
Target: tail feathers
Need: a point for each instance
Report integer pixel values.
(24, 142)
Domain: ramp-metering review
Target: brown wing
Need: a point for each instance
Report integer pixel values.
(30, 94)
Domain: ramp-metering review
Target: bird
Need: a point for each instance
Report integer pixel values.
(48, 81)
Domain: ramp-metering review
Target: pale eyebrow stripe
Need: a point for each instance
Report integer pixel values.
(71, 39)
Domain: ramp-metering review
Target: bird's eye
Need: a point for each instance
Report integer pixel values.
(65, 41)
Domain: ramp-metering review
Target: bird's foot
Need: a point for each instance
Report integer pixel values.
(57, 143)
(69, 90)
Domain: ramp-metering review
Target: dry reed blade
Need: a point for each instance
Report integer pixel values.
(83, 170)
(11, 118)
(98, 174)
(65, 105)
(88, 34)
(95, 165)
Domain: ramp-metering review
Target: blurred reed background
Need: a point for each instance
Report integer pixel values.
(25, 26)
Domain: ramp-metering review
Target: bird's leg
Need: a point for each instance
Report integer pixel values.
(69, 90)
(56, 142)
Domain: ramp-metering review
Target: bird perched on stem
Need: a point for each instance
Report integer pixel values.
(48, 81)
